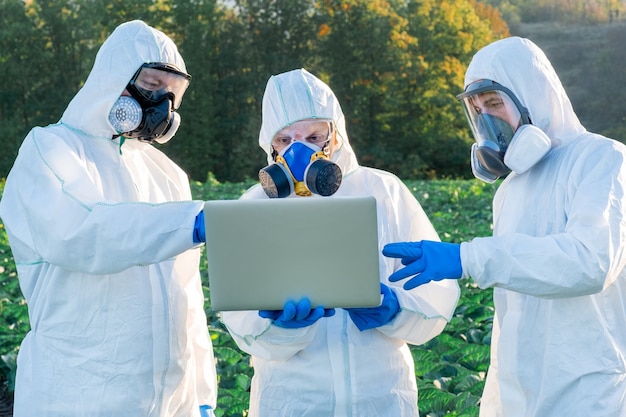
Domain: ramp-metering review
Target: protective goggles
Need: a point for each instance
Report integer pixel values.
(315, 137)
(489, 108)
(153, 81)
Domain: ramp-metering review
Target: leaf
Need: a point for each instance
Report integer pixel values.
(243, 382)
(228, 355)
(435, 400)
(475, 357)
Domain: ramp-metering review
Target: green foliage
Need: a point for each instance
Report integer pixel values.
(450, 369)
(435, 143)
(394, 65)
(22, 56)
(407, 64)
(459, 209)
(14, 321)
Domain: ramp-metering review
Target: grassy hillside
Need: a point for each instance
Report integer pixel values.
(589, 60)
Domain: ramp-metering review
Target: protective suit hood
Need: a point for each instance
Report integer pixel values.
(129, 46)
(522, 67)
(298, 95)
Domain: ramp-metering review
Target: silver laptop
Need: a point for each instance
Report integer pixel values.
(261, 253)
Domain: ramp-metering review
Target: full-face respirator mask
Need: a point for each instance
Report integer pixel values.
(303, 168)
(149, 113)
(505, 138)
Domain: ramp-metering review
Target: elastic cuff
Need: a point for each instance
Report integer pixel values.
(206, 411)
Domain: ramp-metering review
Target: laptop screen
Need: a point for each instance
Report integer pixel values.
(261, 253)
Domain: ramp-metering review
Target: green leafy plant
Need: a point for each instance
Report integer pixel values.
(451, 368)
(14, 321)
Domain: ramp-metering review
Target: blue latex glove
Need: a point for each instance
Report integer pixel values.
(427, 260)
(371, 317)
(294, 316)
(198, 229)
(206, 411)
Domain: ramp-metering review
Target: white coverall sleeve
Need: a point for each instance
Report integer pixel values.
(425, 310)
(59, 213)
(577, 249)
(258, 337)
(412, 323)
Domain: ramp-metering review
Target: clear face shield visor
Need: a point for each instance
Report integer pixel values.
(156, 80)
(493, 112)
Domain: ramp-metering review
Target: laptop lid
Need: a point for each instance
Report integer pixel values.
(261, 253)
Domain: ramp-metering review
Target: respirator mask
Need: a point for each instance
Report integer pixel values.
(149, 113)
(505, 138)
(303, 168)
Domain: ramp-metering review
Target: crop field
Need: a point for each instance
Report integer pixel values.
(450, 369)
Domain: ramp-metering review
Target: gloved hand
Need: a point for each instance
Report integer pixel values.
(206, 411)
(294, 316)
(431, 261)
(371, 317)
(198, 229)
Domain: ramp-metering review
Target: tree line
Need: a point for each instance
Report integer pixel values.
(395, 65)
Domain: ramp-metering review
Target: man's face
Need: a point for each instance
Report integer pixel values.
(313, 131)
(497, 104)
(154, 83)
(154, 79)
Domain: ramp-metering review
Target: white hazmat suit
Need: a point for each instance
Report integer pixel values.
(556, 258)
(331, 368)
(101, 234)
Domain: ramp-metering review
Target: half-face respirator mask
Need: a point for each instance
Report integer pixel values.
(301, 167)
(149, 113)
(505, 138)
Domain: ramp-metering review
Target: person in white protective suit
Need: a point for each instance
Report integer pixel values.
(336, 362)
(101, 225)
(557, 256)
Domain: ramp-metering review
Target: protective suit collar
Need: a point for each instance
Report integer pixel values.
(519, 65)
(131, 45)
(298, 95)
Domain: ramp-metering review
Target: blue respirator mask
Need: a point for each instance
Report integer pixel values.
(505, 138)
(149, 113)
(302, 168)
